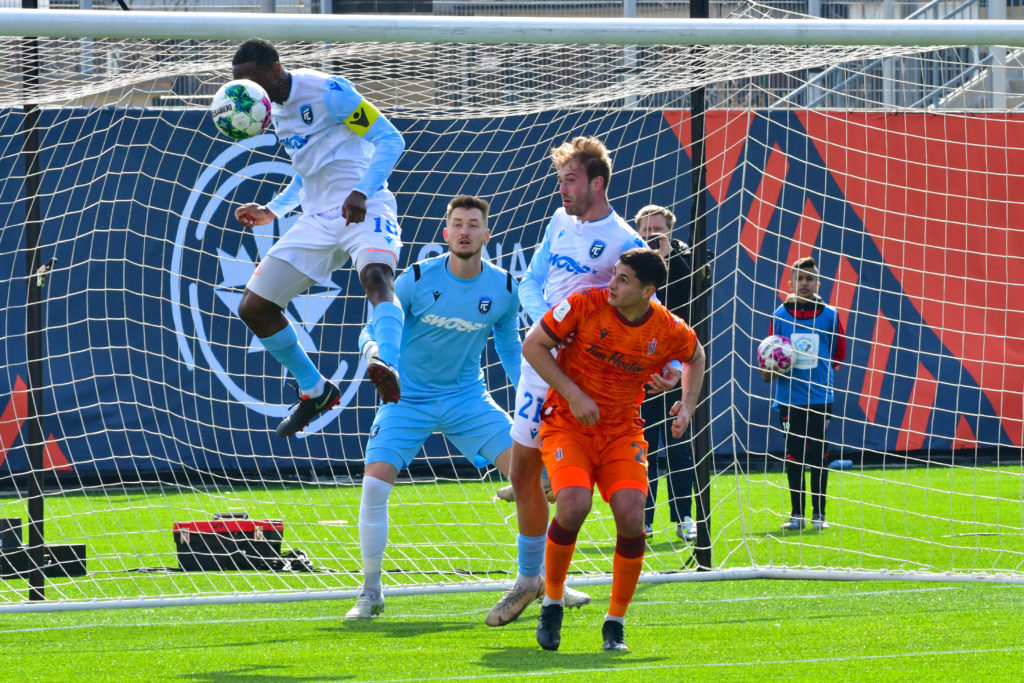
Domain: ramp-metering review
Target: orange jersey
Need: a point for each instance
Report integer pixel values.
(611, 358)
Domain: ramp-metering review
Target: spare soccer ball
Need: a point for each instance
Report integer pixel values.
(775, 353)
(241, 109)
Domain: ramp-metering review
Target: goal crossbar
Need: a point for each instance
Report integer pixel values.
(489, 30)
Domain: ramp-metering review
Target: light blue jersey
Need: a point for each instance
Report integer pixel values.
(447, 323)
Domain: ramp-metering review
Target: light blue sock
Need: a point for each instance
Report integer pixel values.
(386, 324)
(284, 346)
(531, 554)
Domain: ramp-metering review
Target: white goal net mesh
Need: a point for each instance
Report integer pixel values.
(899, 169)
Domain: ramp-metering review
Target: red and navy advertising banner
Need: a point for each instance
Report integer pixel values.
(914, 219)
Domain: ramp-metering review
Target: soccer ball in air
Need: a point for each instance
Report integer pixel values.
(241, 109)
(775, 352)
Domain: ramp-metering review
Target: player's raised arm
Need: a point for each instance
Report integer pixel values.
(693, 378)
(537, 351)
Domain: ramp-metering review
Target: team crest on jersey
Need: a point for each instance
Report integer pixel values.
(307, 114)
(561, 310)
(484, 305)
(559, 455)
(651, 345)
(596, 248)
(374, 431)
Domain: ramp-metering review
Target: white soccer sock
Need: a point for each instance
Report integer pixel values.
(548, 601)
(318, 390)
(621, 620)
(373, 528)
(528, 581)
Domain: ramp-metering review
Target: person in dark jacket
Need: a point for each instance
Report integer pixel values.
(654, 223)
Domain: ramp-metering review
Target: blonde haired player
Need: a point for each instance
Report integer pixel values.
(581, 244)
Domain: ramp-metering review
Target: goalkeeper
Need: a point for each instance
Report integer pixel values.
(451, 304)
(803, 399)
(342, 151)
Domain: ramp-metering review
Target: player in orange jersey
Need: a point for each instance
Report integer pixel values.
(592, 431)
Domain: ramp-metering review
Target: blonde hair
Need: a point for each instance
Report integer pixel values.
(590, 152)
(655, 210)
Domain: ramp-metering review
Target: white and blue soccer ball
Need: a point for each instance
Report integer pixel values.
(241, 109)
(775, 352)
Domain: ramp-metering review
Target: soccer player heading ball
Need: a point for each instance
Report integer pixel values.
(324, 125)
(592, 431)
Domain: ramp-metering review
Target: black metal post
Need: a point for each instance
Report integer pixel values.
(699, 309)
(34, 321)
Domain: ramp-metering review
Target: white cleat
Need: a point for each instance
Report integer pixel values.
(368, 605)
(513, 603)
(819, 522)
(507, 494)
(574, 598)
(687, 530)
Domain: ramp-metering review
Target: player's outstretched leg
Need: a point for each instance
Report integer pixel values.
(378, 482)
(385, 326)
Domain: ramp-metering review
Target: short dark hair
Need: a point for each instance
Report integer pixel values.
(805, 262)
(468, 201)
(257, 51)
(648, 265)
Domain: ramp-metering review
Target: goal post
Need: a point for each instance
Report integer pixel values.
(892, 152)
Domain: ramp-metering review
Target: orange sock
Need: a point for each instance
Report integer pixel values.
(557, 557)
(626, 567)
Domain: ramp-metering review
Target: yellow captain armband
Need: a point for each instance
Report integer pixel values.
(362, 118)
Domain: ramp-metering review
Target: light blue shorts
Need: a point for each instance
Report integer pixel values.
(471, 420)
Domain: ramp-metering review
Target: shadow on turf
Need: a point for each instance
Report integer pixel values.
(260, 673)
(534, 659)
(395, 628)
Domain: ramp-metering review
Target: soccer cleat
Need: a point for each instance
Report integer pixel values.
(308, 409)
(574, 598)
(687, 530)
(385, 378)
(614, 636)
(819, 522)
(367, 605)
(794, 524)
(513, 603)
(648, 531)
(549, 627)
(507, 494)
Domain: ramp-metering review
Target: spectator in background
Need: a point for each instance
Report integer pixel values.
(654, 224)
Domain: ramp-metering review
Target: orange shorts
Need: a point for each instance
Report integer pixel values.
(577, 456)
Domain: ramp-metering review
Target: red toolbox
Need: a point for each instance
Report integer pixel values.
(228, 543)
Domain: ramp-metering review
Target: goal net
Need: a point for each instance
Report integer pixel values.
(900, 169)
